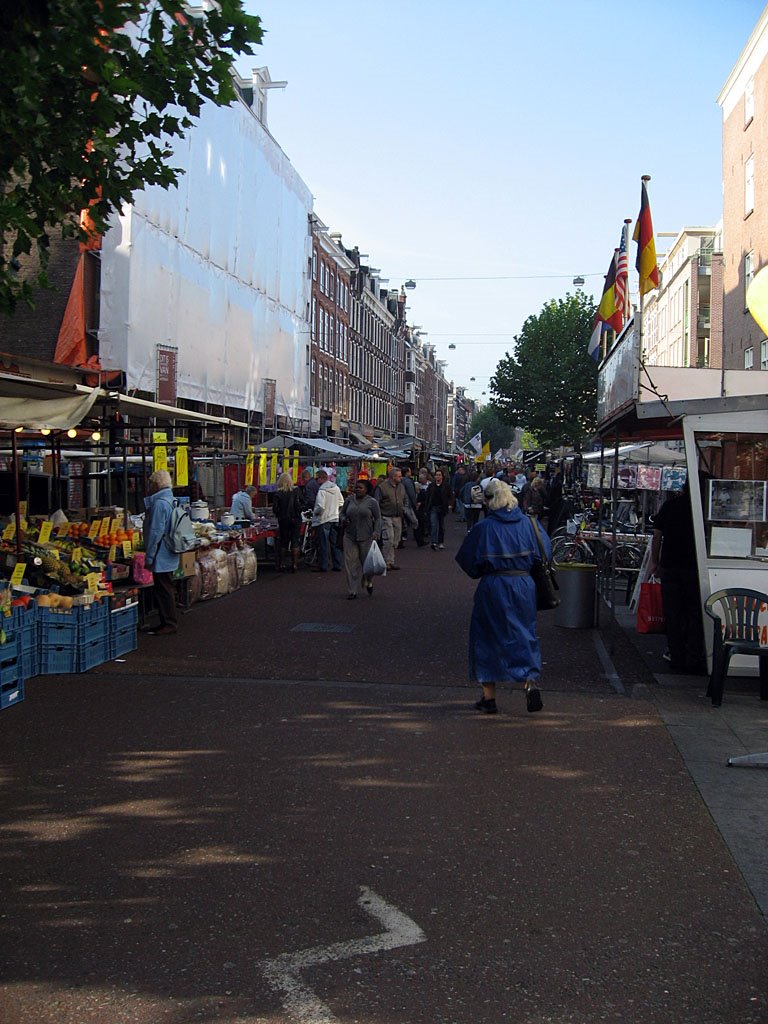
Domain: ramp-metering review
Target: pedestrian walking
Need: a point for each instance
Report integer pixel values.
(438, 502)
(325, 520)
(286, 506)
(361, 524)
(499, 552)
(160, 559)
(392, 498)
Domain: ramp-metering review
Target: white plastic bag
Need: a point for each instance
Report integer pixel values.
(374, 564)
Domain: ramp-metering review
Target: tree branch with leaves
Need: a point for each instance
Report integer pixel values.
(92, 96)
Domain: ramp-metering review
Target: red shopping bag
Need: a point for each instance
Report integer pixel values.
(650, 608)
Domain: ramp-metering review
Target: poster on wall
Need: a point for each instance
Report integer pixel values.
(648, 478)
(593, 475)
(741, 501)
(673, 478)
(628, 477)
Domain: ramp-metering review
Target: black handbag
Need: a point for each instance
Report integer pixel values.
(543, 576)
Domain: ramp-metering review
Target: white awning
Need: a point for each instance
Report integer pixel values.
(43, 405)
(158, 411)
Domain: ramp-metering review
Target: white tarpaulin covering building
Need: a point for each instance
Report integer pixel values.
(217, 268)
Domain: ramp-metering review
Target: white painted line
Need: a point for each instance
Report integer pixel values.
(282, 973)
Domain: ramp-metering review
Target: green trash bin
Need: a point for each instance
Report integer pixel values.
(577, 595)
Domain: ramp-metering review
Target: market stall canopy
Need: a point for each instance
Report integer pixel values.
(317, 444)
(155, 410)
(645, 452)
(43, 405)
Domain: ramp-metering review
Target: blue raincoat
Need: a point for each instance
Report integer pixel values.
(502, 633)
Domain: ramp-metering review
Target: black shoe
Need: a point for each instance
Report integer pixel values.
(337, 568)
(488, 706)
(351, 597)
(533, 699)
(369, 588)
(434, 547)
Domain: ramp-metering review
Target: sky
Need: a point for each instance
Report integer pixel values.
(491, 151)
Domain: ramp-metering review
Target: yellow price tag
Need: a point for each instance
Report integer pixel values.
(18, 573)
(22, 509)
(93, 579)
(45, 533)
(23, 524)
(77, 555)
(63, 530)
(93, 531)
(54, 552)
(127, 549)
(104, 528)
(112, 553)
(10, 530)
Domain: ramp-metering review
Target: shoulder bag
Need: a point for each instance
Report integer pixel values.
(544, 576)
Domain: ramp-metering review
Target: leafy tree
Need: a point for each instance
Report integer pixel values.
(92, 95)
(549, 385)
(495, 429)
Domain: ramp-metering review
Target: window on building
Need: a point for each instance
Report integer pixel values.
(749, 184)
(749, 101)
(749, 358)
(314, 266)
(764, 354)
(749, 273)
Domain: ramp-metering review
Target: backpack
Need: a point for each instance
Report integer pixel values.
(180, 534)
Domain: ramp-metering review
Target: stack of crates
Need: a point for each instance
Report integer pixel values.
(11, 676)
(73, 641)
(123, 623)
(23, 627)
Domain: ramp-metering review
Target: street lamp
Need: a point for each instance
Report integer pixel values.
(410, 284)
(578, 281)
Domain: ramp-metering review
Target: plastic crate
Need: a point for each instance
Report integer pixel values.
(122, 641)
(11, 693)
(95, 628)
(123, 618)
(57, 660)
(123, 597)
(30, 662)
(10, 671)
(91, 653)
(56, 629)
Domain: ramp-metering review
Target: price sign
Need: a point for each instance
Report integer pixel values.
(77, 555)
(22, 509)
(54, 553)
(63, 530)
(127, 549)
(10, 530)
(114, 526)
(93, 531)
(104, 528)
(93, 579)
(18, 573)
(45, 533)
(112, 553)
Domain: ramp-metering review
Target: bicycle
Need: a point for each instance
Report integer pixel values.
(309, 549)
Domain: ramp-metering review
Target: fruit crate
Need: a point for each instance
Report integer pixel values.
(10, 663)
(58, 659)
(57, 629)
(30, 661)
(123, 618)
(11, 693)
(122, 641)
(92, 653)
(93, 620)
(123, 597)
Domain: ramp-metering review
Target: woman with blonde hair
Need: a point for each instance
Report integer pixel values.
(499, 551)
(286, 505)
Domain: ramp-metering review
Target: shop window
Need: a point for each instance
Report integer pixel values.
(734, 494)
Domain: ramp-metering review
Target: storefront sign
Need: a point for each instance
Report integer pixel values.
(167, 370)
(270, 390)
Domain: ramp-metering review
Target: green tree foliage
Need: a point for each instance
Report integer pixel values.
(549, 385)
(92, 95)
(494, 427)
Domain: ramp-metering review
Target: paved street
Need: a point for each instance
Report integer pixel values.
(288, 813)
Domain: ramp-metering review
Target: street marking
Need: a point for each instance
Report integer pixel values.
(299, 1002)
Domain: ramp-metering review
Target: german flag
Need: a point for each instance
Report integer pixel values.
(607, 315)
(646, 264)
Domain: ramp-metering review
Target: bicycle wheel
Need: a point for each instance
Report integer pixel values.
(573, 552)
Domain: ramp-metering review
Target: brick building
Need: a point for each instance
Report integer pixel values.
(683, 318)
(744, 104)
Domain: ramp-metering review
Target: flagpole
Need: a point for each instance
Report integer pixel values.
(644, 178)
(627, 302)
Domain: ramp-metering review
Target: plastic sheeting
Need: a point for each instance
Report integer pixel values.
(217, 267)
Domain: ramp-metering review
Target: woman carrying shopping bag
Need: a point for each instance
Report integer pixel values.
(361, 523)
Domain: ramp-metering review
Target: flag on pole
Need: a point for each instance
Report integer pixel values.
(621, 287)
(646, 264)
(485, 454)
(476, 441)
(607, 316)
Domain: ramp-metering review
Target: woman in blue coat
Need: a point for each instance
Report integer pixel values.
(499, 551)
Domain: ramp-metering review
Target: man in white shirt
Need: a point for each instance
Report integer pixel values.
(325, 519)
